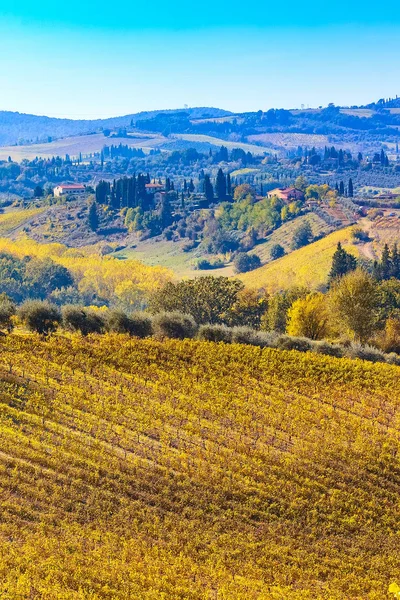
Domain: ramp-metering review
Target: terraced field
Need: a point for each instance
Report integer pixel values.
(190, 470)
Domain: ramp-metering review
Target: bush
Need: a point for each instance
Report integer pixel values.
(277, 251)
(287, 342)
(245, 335)
(246, 262)
(41, 317)
(324, 347)
(174, 325)
(365, 353)
(7, 311)
(302, 236)
(77, 318)
(267, 339)
(215, 333)
(393, 359)
(204, 264)
(138, 324)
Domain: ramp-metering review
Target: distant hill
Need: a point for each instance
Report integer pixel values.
(18, 127)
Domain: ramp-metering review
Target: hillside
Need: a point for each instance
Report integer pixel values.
(144, 469)
(16, 126)
(308, 266)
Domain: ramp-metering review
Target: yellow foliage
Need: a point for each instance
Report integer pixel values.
(307, 267)
(137, 469)
(128, 281)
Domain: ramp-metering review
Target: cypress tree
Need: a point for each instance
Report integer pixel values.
(395, 262)
(208, 190)
(350, 188)
(93, 218)
(342, 263)
(228, 185)
(341, 188)
(220, 185)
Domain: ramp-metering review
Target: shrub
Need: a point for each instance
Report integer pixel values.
(267, 339)
(287, 342)
(302, 236)
(7, 311)
(215, 333)
(392, 358)
(77, 318)
(245, 335)
(324, 347)
(246, 262)
(41, 317)
(174, 325)
(204, 264)
(277, 251)
(370, 353)
(138, 324)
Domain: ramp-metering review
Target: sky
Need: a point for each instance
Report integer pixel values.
(92, 59)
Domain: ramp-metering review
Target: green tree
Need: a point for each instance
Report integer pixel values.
(7, 311)
(275, 318)
(208, 299)
(302, 236)
(342, 262)
(277, 251)
(220, 185)
(208, 190)
(246, 262)
(354, 300)
(93, 218)
(41, 317)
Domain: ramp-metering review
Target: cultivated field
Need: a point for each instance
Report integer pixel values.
(85, 144)
(208, 139)
(290, 140)
(308, 266)
(174, 470)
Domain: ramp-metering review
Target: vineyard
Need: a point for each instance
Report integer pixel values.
(308, 266)
(191, 470)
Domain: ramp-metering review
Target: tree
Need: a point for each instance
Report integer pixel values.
(247, 310)
(38, 192)
(246, 262)
(93, 218)
(41, 317)
(350, 188)
(208, 299)
(355, 302)
(77, 318)
(275, 318)
(243, 191)
(277, 251)
(302, 236)
(309, 317)
(42, 277)
(220, 185)
(208, 190)
(7, 311)
(342, 262)
(301, 183)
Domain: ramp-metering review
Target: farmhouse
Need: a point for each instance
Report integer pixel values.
(286, 194)
(69, 190)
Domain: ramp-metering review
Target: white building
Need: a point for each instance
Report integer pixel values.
(69, 190)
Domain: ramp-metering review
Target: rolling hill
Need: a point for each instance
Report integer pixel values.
(16, 126)
(189, 470)
(308, 266)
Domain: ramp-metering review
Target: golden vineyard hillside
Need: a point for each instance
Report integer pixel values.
(191, 470)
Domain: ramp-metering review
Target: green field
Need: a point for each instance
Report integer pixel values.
(208, 139)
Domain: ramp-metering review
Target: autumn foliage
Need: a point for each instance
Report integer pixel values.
(190, 470)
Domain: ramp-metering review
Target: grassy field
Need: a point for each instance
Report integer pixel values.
(169, 254)
(284, 235)
(308, 266)
(85, 144)
(12, 220)
(358, 112)
(137, 469)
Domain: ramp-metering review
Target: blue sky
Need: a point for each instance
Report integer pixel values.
(86, 59)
